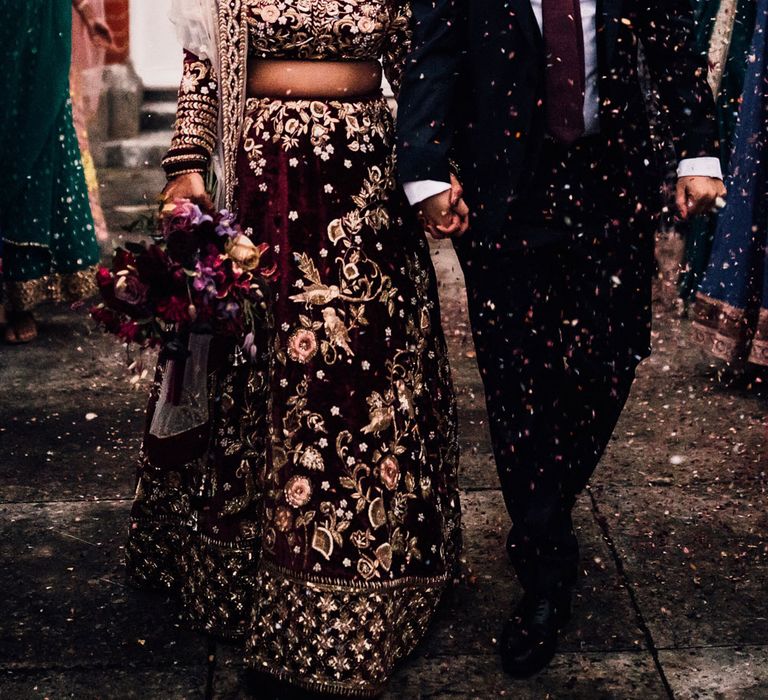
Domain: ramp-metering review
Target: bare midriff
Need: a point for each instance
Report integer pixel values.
(314, 80)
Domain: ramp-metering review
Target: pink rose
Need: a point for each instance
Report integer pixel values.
(298, 491)
(366, 25)
(302, 345)
(270, 14)
(389, 471)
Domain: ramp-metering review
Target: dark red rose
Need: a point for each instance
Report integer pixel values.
(174, 309)
(182, 246)
(129, 332)
(153, 268)
(107, 318)
(104, 277)
(130, 290)
(106, 284)
(122, 260)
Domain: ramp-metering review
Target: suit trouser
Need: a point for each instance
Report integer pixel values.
(559, 330)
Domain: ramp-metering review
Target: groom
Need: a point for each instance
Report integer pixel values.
(524, 121)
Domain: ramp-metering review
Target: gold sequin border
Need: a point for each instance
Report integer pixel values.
(68, 287)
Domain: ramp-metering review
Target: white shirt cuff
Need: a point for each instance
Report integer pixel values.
(700, 167)
(420, 190)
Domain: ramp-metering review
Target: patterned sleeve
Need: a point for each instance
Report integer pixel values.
(197, 115)
(398, 45)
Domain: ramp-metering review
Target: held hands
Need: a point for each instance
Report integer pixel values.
(698, 195)
(190, 186)
(446, 214)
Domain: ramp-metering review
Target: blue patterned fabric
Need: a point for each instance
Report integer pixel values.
(732, 303)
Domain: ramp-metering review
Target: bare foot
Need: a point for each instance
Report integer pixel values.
(21, 328)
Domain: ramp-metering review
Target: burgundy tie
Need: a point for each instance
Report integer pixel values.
(564, 41)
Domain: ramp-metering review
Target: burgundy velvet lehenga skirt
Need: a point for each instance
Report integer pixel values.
(316, 515)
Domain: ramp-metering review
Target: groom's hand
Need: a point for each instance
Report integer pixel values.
(446, 213)
(698, 195)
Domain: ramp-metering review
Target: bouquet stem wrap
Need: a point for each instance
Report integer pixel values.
(183, 402)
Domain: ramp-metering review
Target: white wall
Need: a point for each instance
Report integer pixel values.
(155, 51)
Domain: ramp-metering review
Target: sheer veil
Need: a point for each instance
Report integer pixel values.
(196, 23)
(196, 26)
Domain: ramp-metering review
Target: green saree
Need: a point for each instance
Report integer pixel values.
(49, 246)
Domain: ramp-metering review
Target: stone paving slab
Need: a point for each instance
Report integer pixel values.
(725, 673)
(84, 460)
(698, 562)
(577, 676)
(144, 683)
(65, 602)
(472, 622)
(715, 437)
(682, 425)
(70, 421)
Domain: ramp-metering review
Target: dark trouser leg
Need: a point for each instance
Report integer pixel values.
(559, 331)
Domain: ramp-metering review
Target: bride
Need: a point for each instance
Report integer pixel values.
(314, 516)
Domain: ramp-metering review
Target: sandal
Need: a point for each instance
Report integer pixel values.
(21, 329)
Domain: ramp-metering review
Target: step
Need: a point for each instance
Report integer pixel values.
(144, 151)
(160, 95)
(156, 116)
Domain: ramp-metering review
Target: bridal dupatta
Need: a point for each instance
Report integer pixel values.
(216, 30)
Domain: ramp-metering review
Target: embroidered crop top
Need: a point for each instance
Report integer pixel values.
(353, 30)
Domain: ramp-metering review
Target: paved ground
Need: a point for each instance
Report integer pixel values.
(672, 601)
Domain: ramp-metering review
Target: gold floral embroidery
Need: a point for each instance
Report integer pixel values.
(327, 635)
(289, 122)
(316, 29)
(382, 497)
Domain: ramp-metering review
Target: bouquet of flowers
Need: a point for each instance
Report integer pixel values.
(201, 274)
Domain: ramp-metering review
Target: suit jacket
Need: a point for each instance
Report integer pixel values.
(473, 92)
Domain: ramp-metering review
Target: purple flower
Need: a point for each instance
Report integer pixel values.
(226, 225)
(205, 281)
(229, 310)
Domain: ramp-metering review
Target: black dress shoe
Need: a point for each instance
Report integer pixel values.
(529, 639)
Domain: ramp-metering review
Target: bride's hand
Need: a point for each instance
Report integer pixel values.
(446, 214)
(190, 186)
